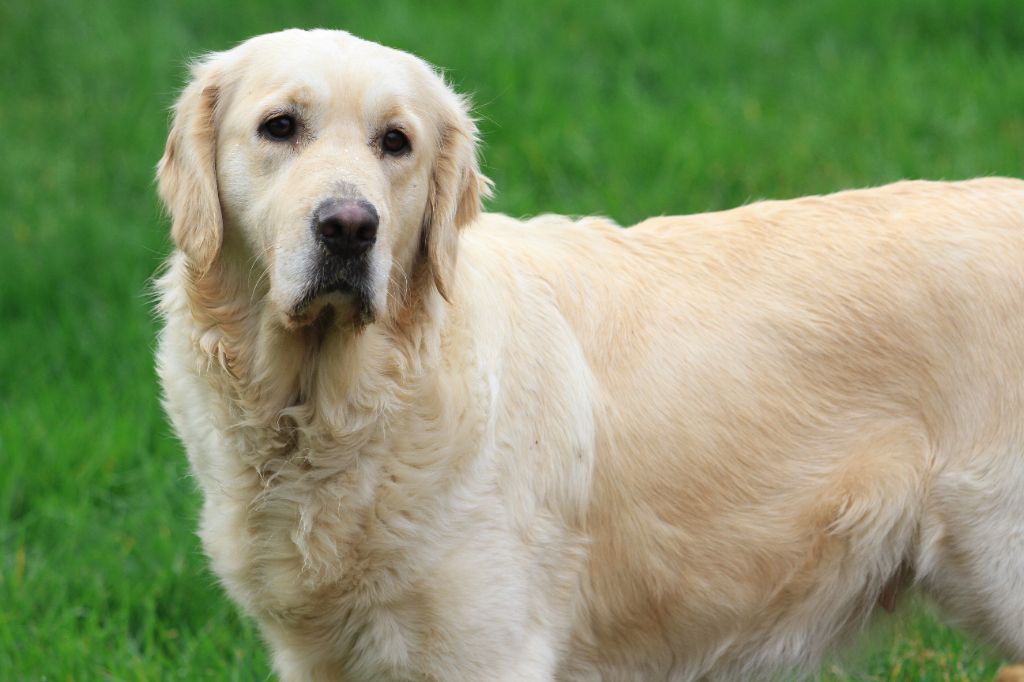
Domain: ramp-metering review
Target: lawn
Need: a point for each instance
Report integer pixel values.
(622, 109)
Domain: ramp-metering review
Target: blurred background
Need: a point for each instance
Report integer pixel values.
(621, 109)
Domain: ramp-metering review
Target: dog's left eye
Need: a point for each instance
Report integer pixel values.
(394, 142)
(279, 128)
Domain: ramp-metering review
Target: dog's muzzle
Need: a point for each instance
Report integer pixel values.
(345, 231)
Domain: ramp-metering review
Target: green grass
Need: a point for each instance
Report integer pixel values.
(622, 109)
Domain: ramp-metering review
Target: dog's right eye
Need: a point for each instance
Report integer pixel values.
(279, 128)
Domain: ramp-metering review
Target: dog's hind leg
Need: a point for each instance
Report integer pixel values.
(971, 557)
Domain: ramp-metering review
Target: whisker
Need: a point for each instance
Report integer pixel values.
(266, 272)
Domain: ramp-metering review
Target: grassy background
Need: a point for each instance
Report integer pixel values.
(623, 109)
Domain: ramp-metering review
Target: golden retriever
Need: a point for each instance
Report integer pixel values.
(436, 444)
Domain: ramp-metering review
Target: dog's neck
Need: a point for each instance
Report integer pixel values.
(329, 383)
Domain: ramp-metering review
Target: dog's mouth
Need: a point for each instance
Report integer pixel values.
(332, 299)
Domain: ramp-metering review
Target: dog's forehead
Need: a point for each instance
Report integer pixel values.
(332, 59)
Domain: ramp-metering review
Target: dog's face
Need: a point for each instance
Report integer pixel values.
(333, 167)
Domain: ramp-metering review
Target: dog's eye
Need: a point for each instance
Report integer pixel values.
(279, 127)
(394, 142)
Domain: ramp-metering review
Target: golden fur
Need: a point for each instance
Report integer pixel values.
(701, 448)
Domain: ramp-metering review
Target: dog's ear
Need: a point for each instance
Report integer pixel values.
(456, 189)
(187, 173)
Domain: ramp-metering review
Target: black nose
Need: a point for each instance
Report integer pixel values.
(347, 227)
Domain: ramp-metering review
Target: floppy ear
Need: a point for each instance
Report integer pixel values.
(456, 188)
(187, 173)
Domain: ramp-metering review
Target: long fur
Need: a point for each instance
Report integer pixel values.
(701, 448)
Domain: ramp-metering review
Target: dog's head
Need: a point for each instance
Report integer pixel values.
(337, 169)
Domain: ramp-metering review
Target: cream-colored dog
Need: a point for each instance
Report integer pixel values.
(442, 445)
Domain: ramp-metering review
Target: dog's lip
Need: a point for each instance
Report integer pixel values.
(326, 298)
(309, 308)
(336, 286)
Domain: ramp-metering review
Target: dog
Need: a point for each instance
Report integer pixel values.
(439, 444)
